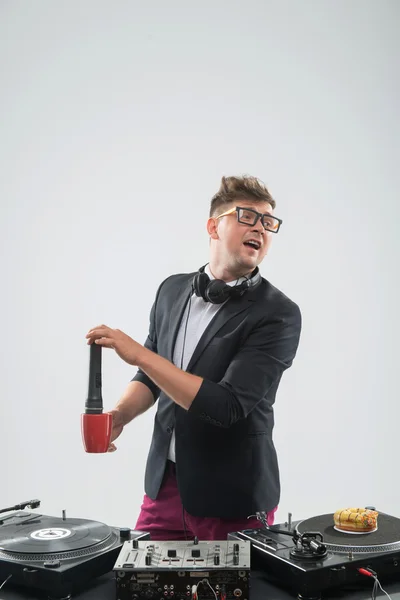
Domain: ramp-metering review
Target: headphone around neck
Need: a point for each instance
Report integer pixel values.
(217, 291)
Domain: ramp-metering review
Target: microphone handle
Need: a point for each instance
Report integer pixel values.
(94, 402)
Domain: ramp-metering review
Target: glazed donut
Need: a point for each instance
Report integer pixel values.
(356, 519)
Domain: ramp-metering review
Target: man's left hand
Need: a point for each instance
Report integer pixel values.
(123, 345)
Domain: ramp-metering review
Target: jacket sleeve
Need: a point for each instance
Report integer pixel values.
(151, 344)
(259, 363)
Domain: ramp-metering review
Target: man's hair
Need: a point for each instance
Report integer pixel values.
(234, 188)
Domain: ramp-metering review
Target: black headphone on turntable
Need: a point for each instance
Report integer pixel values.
(217, 291)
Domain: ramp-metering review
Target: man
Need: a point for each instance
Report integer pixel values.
(218, 343)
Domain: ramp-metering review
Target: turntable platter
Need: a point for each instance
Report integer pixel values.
(54, 536)
(385, 538)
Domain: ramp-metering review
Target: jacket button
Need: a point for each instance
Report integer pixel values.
(169, 430)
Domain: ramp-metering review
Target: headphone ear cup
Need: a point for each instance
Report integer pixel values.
(200, 282)
(217, 291)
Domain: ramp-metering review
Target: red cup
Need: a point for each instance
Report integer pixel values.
(96, 432)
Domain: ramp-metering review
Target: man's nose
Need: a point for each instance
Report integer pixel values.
(259, 227)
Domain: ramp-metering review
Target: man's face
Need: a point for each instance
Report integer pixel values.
(240, 247)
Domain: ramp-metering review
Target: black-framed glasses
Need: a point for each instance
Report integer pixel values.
(248, 216)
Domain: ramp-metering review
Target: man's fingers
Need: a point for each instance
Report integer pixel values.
(92, 339)
(112, 448)
(99, 331)
(104, 342)
(102, 326)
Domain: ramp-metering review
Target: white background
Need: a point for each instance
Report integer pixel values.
(118, 120)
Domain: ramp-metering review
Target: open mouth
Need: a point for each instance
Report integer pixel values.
(253, 244)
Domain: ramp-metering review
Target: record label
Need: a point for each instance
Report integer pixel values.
(55, 533)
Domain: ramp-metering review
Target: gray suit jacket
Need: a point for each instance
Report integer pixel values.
(225, 458)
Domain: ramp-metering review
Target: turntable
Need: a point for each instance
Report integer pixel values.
(310, 556)
(58, 555)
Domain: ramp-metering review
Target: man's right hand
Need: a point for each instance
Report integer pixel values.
(136, 399)
(117, 427)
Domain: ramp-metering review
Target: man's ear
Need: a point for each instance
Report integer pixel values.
(212, 228)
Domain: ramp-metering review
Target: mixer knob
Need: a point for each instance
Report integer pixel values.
(148, 559)
(236, 548)
(124, 533)
(135, 543)
(216, 559)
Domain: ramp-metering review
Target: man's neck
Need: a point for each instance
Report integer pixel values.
(227, 275)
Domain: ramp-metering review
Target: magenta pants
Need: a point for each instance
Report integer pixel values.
(165, 519)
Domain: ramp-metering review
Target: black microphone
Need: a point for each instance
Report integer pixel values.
(94, 401)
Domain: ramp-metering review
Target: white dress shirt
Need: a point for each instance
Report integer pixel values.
(200, 315)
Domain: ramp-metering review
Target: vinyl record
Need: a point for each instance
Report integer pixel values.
(53, 535)
(384, 538)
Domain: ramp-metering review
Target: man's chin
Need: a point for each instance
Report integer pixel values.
(251, 260)
(248, 265)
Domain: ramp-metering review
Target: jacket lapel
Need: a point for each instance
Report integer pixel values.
(175, 317)
(227, 312)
